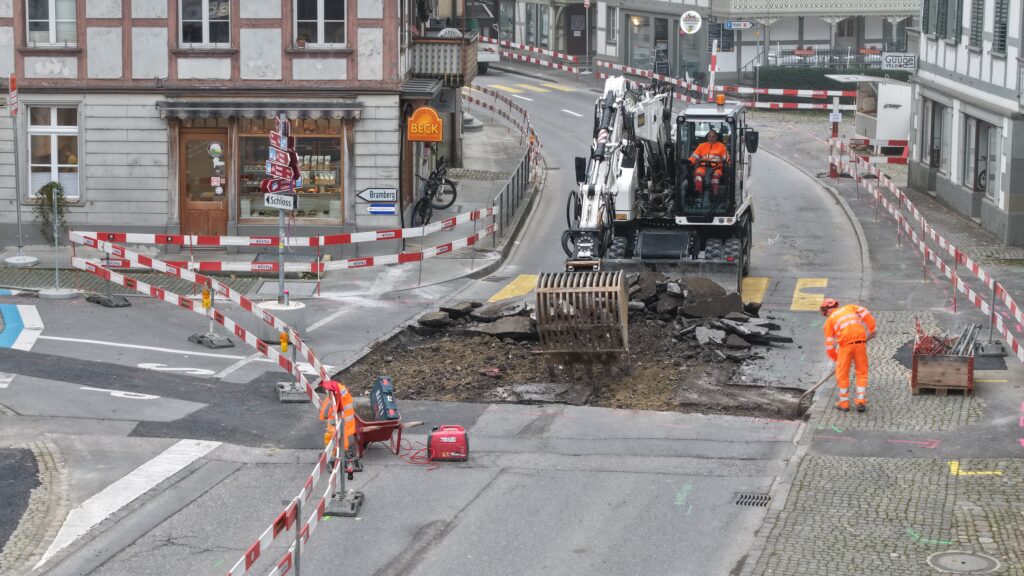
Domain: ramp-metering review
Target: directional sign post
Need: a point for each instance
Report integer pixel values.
(284, 177)
(738, 25)
(289, 202)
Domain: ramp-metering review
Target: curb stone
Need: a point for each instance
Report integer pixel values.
(44, 515)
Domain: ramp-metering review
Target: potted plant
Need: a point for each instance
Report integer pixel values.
(46, 210)
(301, 41)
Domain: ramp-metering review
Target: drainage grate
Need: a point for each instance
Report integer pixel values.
(753, 500)
(295, 289)
(496, 279)
(956, 562)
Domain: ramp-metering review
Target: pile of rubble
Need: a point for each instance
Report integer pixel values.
(696, 308)
(505, 321)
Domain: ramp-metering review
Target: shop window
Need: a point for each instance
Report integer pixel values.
(639, 38)
(543, 25)
(318, 144)
(320, 22)
(205, 22)
(611, 24)
(726, 38)
(531, 24)
(981, 146)
(53, 148)
(51, 22)
(507, 20)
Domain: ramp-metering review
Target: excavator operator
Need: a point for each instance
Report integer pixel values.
(713, 153)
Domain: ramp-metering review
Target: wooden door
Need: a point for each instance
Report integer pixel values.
(203, 183)
(576, 28)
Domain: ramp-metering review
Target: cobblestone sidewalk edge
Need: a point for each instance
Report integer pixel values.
(46, 510)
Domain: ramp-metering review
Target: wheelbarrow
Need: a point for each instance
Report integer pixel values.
(390, 431)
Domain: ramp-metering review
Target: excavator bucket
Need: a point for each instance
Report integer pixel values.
(582, 318)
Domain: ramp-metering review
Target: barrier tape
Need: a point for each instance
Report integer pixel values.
(496, 109)
(798, 106)
(651, 74)
(802, 93)
(548, 63)
(295, 241)
(528, 48)
(919, 243)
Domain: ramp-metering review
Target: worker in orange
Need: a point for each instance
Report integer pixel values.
(338, 397)
(847, 331)
(711, 151)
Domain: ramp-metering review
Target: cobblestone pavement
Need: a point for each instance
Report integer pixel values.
(34, 278)
(887, 516)
(46, 510)
(469, 174)
(891, 405)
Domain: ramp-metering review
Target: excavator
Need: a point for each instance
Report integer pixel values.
(638, 206)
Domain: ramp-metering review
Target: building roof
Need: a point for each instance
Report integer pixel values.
(421, 88)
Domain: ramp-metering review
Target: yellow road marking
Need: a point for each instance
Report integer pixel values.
(508, 89)
(557, 86)
(805, 300)
(954, 469)
(754, 289)
(532, 88)
(522, 285)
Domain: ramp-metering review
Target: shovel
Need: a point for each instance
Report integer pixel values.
(800, 407)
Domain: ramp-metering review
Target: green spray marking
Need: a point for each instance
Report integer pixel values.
(682, 495)
(836, 429)
(916, 537)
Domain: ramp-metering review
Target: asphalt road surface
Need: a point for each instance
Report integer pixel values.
(129, 403)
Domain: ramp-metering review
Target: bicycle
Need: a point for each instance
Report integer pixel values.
(438, 193)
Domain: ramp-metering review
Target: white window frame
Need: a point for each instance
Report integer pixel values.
(53, 130)
(320, 21)
(52, 23)
(206, 28)
(611, 25)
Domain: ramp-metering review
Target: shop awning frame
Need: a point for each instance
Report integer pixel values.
(311, 109)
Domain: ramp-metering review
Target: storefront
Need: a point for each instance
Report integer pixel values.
(651, 38)
(222, 150)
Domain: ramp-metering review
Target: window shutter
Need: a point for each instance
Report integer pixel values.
(1002, 9)
(977, 22)
(942, 21)
(955, 21)
(926, 19)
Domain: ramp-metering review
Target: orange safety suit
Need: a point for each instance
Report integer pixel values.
(709, 152)
(847, 330)
(329, 411)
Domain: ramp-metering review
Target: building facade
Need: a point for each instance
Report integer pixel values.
(153, 115)
(967, 131)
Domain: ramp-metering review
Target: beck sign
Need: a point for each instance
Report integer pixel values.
(425, 125)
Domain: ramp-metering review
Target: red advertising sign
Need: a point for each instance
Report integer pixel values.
(280, 156)
(282, 128)
(279, 171)
(12, 94)
(276, 185)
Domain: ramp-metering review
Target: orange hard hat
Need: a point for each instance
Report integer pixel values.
(828, 304)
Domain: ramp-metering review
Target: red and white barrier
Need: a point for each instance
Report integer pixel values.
(798, 106)
(788, 92)
(528, 48)
(650, 74)
(538, 61)
(952, 272)
(295, 241)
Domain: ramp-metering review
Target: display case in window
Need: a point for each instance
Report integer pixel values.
(318, 147)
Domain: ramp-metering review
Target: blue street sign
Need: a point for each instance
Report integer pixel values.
(383, 209)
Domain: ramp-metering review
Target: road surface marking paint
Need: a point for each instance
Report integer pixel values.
(166, 368)
(508, 89)
(6, 292)
(827, 437)
(931, 443)
(114, 497)
(836, 429)
(238, 365)
(805, 301)
(121, 393)
(573, 113)
(557, 86)
(521, 286)
(954, 469)
(326, 319)
(754, 288)
(683, 494)
(532, 88)
(5, 380)
(988, 380)
(140, 347)
(916, 537)
(13, 325)
(32, 327)
(522, 97)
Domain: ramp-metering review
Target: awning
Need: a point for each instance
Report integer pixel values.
(312, 109)
(421, 88)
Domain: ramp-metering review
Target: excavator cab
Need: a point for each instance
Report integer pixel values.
(702, 204)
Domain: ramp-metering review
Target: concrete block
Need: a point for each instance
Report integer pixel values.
(149, 52)
(260, 9)
(204, 68)
(104, 52)
(320, 69)
(103, 8)
(370, 9)
(51, 67)
(370, 49)
(260, 55)
(149, 8)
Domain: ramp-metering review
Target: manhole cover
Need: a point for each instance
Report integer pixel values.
(963, 563)
(295, 289)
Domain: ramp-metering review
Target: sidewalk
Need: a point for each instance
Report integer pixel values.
(919, 483)
(490, 157)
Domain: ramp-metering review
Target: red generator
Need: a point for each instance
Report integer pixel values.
(448, 443)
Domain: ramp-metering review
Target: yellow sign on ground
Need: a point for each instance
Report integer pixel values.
(522, 285)
(425, 125)
(955, 470)
(754, 288)
(806, 301)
